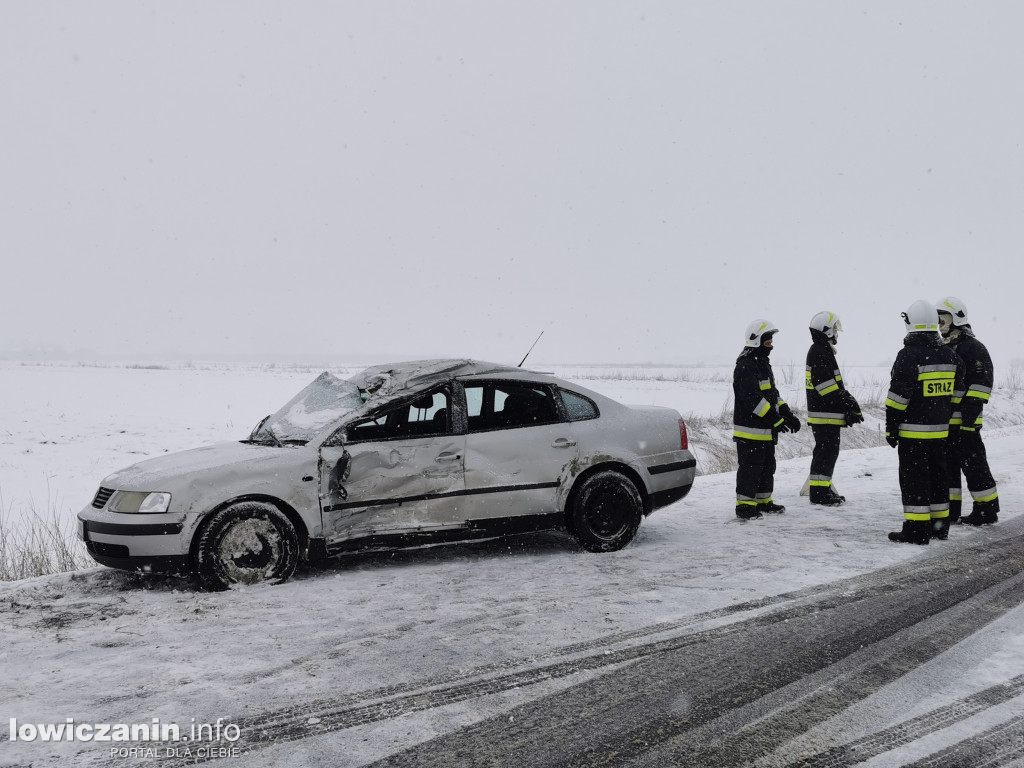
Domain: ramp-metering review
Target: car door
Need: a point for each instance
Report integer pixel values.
(394, 471)
(518, 447)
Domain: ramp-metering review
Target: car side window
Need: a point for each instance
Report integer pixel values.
(578, 407)
(426, 416)
(508, 404)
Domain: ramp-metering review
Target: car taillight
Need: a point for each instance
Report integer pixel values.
(684, 442)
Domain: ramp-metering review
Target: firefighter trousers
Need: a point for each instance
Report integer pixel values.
(924, 479)
(823, 460)
(755, 475)
(966, 453)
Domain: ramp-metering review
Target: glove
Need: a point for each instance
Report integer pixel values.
(791, 422)
(783, 427)
(971, 424)
(854, 417)
(892, 440)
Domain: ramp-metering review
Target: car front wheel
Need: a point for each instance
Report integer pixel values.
(605, 513)
(246, 543)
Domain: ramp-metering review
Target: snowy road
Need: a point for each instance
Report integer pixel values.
(748, 692)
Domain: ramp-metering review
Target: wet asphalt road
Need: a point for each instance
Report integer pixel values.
(736, 694)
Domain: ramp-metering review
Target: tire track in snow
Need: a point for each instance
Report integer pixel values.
(389, 702)
(400, 700)
(734, 699)
(885, 740)
(994, 748)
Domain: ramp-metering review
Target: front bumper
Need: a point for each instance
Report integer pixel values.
(133, 542)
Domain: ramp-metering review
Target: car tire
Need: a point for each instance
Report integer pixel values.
(246, 543)
(605, 512)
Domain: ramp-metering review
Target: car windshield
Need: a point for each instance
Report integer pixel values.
(326, 399)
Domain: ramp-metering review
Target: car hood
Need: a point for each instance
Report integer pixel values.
(162, 473)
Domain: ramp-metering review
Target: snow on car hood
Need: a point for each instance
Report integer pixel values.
(324, 400)
(161, 472)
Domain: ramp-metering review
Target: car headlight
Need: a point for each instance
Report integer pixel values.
(140, 502)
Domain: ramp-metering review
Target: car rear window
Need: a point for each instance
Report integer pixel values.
(578, 407)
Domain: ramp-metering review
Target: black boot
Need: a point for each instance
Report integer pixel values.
(771, 508)
(826, 497)
(984, 518)
(747, 512)
(914, 532)
(940, 529)
(983, 513)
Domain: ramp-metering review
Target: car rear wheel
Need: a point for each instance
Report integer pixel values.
(605, 512)
(246, 543)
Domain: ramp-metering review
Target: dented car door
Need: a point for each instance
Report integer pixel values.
(519, 448)
(393, 472)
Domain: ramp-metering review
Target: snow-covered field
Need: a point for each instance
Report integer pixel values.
(101, 647)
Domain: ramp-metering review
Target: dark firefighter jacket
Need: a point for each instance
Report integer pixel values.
(828, 400)
(978, 378)
(758, 408)
(925, 378)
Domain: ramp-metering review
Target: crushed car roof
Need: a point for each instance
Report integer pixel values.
(392, 378)
(328, 398)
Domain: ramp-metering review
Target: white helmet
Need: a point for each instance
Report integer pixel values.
(921, 316)
(757, 330)
(951, 305)
(828, 323)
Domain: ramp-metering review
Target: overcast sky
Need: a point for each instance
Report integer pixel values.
(638, 180)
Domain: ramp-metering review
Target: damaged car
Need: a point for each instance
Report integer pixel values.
(399, 455)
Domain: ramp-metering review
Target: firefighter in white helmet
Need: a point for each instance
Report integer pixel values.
(925, 377)
(760, 414)
(966, 451)
(830, 406)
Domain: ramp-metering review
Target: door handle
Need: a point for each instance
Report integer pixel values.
(448, 457)
(563, 442)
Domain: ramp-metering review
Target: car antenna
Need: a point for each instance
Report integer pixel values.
(529, 351)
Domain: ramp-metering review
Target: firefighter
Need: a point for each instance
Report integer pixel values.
(918, 408)
(830, 406)
(965, 449)
(759, 416)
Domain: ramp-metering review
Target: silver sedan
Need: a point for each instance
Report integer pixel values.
(399, 455)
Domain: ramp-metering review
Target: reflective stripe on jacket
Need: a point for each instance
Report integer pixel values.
(921, 396)
(756, 413)
(979, 376)
(828, 400)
